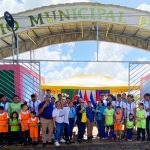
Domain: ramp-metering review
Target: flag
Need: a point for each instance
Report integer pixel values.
(85, 97)
(80, 94)
(92, 100)
(97, 95)
(74, 96)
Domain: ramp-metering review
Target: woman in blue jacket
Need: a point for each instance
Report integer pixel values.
(100, 120)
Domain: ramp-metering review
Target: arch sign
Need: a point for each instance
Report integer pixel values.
(77, 12)
(74, 13)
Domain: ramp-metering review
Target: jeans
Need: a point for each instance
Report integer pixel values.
(67, 130)
(58, 131)
(81, 129)
(148, 126)
(139, 131)
(71, 126)
(129, 134)
(101, 128)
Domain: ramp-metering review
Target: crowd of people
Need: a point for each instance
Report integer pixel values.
(52, 120)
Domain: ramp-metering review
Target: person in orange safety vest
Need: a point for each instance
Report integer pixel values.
(24, 116)
(118, 120)
(33, 127)
(3, 126)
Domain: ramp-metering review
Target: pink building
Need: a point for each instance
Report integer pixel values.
(20, 80)
(144, 85)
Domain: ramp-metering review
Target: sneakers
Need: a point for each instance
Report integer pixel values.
(62, 141)
(57, 144)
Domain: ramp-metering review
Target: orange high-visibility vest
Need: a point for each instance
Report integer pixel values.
(24, 117)
(4, 122)
(33, 129)
(118, 118)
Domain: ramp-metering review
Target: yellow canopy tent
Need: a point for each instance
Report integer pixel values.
(90, 82)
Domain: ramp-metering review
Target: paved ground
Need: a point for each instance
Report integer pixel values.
(91, 145)
(95, 144)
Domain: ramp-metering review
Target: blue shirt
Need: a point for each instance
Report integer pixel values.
(90, 113)
(72, 112)
(99, 115)
(47, 112)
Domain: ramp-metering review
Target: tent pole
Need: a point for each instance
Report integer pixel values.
(129, 78)
(97, 31)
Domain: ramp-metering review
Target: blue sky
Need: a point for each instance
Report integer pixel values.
(90, 47)
(86, 50)
(83, 50)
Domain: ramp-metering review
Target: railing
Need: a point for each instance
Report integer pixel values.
(139, 76)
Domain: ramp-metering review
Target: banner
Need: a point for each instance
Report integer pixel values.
(76, 12)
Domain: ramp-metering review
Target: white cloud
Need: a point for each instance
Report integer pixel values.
(142, 59)
(54, 52)
(38, 3)
(63, 73)
(10, 5)
(13, 6)
(144, 6)
(110, 52)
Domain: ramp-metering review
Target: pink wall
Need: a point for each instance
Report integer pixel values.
(142, 80)
(19, 71)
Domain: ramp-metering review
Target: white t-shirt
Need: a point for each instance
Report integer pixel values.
(146, 106)
(59, 114)
(112, 102)
(33, 106)
(129, 108)
(66, 110)
(5, 106)
(120, 103)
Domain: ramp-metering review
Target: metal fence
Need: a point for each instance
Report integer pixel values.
(24, 77)
(139, 75)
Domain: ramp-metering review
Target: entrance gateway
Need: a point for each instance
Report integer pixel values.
(63, 23)
(76, 22)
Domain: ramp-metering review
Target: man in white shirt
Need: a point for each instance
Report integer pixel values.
(124, 97)
(33, 104)
(110, 100)
(4, 103)
(120, 103)
(130, 106)
(146, 102)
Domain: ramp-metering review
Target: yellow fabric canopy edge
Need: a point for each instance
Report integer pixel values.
(44, 87)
